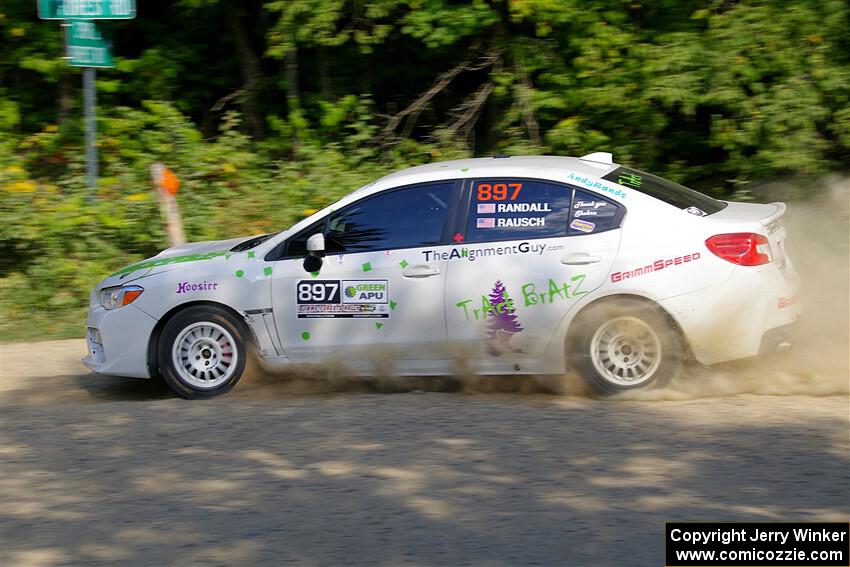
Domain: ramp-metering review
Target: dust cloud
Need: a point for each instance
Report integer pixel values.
(818, 243)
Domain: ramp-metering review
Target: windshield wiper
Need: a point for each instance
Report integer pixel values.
(252, 242)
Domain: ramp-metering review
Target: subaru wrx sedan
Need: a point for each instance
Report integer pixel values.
(517, 265)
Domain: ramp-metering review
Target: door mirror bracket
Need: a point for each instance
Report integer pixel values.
(312, 264)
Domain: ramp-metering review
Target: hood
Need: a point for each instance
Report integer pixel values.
(170, 258)
(200, 247)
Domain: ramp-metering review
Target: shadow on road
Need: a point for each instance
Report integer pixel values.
(117, 389)
(377, 479)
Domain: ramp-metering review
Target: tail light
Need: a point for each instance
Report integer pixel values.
(742, 248)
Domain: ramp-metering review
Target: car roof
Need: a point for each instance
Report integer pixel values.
(596, 164)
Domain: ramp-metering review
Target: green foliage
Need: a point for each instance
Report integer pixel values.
(58, 240)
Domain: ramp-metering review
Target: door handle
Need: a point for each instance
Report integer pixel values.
(580, 259)
(420, 271)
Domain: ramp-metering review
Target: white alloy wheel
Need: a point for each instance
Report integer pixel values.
(204, 355)
(626, 351)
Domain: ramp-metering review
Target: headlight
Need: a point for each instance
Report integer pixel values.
(115, 297)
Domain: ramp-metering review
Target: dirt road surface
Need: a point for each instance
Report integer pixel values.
(111, 471)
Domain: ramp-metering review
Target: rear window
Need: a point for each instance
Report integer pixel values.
(671, 193)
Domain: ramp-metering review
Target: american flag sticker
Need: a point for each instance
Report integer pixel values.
(486, 208)
(485, 223)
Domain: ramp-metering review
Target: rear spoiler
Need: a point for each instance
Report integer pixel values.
(780, 210)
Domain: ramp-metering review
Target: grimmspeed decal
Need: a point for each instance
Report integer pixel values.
(342, 299)
(655, 266)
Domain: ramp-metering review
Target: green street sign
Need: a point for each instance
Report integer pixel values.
(87, 9)
(87, 44)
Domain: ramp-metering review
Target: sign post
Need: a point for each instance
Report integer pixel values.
(167, 184)
(88, 45)
(90, 119)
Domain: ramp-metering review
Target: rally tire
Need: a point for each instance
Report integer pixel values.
(202, 352)
(624, 344)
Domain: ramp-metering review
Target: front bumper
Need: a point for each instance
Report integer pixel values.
(118, 341)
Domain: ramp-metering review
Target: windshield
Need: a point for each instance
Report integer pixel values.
(671, 193)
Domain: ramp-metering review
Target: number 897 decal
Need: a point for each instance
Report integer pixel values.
(347, 299)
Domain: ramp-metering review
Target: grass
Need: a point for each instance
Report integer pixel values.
(43, 326)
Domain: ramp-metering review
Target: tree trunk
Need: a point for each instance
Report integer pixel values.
(325, 81)
(66, 98)
(249, 64)
(292, 94)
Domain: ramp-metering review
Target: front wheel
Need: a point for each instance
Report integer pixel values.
(202, 352)
(624, 345)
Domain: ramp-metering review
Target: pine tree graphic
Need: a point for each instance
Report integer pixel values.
(501, 326)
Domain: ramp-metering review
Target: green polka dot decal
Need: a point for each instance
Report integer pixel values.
(239, 273)
(367, 267)
(378, 325)
(305, 335)
(251, 255)
(403, 264)
(267, 270)
(393, 304)
(314, 274)
(464, 169)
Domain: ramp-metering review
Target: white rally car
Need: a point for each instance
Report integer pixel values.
(514, 265)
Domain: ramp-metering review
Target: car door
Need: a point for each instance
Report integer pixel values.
(531, 249)
(375, 295)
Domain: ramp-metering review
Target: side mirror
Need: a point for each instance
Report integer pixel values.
(316, 245)
(315, 250)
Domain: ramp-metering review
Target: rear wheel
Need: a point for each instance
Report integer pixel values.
(623, 345)
(202, 352)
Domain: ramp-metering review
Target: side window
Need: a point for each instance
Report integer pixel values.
(510, 209)
(402, 218)
(591, 213)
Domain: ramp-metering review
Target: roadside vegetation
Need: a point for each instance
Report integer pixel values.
(269, 110)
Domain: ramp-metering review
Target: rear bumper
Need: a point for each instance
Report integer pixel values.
(779, 339)
(117, 341)
(754, 312)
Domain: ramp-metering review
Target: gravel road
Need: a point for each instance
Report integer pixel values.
(111, 471)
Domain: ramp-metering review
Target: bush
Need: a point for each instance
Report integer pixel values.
(59, 239)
